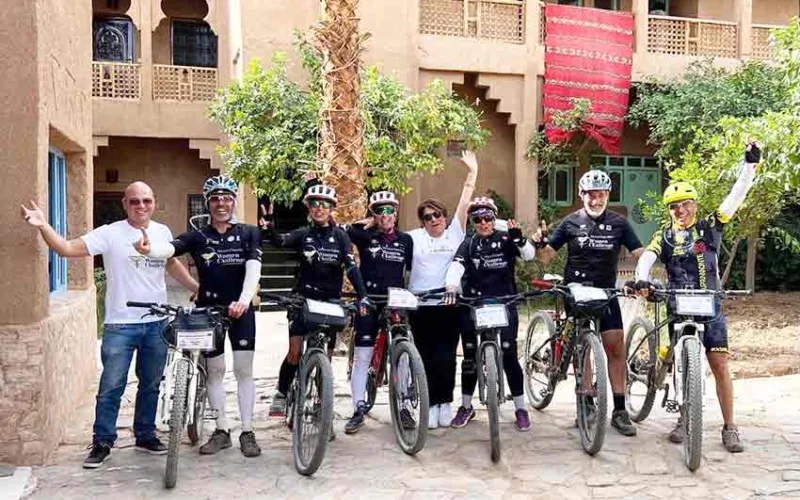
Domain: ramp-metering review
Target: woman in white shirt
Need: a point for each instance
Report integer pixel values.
(436, 328)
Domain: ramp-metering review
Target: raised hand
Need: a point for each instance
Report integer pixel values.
(540, 233)
(143, 245)
(512, 224)
(34, 215)
(468, 159)
(752, 153)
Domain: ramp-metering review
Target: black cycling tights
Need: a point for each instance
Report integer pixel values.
(511, 366)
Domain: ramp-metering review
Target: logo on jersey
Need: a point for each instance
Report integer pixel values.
(310, 255)
(208, 255)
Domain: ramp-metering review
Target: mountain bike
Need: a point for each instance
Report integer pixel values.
(649, 362)
(190, 333)
(570, 337)
(309, 401)
(490, 316)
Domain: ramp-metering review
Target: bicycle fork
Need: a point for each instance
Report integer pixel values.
(487, 339)
(678, 368)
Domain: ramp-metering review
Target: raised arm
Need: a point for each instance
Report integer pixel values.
(524, 247)
(739, 191)
(60, 245)
(468, 159)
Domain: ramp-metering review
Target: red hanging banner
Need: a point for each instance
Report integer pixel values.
(588, 54)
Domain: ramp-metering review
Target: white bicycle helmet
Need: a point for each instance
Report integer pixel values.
(482, 203)
(594, 180)
(321, 192)
(220, 183)
(383, 198)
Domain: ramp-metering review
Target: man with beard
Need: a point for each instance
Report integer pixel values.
(594, 236)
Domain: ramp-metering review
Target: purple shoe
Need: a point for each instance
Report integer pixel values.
(523, 422)
(463, 416)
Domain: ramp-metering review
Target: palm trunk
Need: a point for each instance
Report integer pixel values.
(341, 141)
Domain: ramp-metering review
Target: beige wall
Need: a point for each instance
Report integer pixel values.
(777, 12)
(167, 165)
(46, 342)
(718, 10)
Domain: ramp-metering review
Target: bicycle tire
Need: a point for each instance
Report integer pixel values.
(592, 442)
(317, 372)
(536, 397)
(645, 366)
(195, 429)
(492, 400)
(410, 442)
(371, 391)
(290, 404)
(176, 422)
(692, 403)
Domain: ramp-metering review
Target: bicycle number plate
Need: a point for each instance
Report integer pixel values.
(588, 293)
(400, 298)
(694, 305)
(190, 340)
(491, 316)
(325, 308)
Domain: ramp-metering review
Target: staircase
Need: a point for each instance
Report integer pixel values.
(279, 266)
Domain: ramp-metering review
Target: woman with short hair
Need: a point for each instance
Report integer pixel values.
(436, 327)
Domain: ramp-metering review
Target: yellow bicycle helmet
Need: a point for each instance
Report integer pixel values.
(679, 191)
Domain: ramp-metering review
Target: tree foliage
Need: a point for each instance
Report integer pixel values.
(549, 154)
(273, 125)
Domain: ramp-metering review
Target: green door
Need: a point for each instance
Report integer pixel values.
(638, 182)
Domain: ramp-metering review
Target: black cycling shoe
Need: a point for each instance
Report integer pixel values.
(97, 456)
(152, 446)
(622, 422)
(407, 422)
(356, 421)
(220, 440)
(248, 445)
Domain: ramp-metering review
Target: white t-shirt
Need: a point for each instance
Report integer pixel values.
(129, 275)
(432, 256)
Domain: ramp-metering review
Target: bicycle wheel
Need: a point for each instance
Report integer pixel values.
(176, 422)
(590, 381)
(195, 429)
(692, 403)
(290, 404)
(408, 398)
(538, 361)
(492, 403)
(313, 414)
(640, 353)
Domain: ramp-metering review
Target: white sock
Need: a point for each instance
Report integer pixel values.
(215, 368)
(466, 401)
(519, 402)
(362, 356)
(246, 392)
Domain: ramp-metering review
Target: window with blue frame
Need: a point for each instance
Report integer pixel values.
(555, 186)
(57, 216)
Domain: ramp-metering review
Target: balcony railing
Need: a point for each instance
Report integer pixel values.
(692, 37)
(183, 83)
(116, 80)
(502, 20)
(760, 39)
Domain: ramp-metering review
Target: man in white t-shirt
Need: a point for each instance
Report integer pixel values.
(129, 277)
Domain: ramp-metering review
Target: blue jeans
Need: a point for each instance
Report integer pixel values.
(119, 342)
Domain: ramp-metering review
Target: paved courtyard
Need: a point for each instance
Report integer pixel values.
(547, 462)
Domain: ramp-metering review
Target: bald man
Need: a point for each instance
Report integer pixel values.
(129, 277)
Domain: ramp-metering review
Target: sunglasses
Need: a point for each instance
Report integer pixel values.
(135, 202)
(431, 216)
(221, 198)
(384, 210)
(679, 205)
(319, 204)
(477, 219)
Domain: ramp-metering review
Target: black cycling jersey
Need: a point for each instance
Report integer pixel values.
(325, 252)
(593, 246)
(220, 260)
(489, 264)
(384, 258)
(690, 255)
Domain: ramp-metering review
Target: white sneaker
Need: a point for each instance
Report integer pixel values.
(433, 417)
(445, 415)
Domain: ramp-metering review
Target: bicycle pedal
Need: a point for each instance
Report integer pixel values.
(672, 406)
